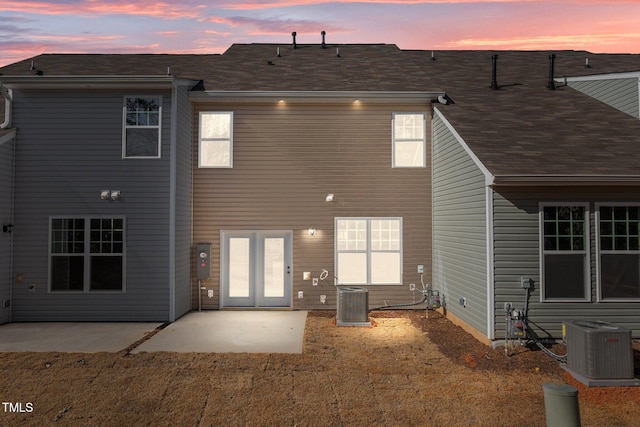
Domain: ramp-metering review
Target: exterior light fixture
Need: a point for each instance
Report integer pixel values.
(311, 231)
(110, 194)
(329, 197)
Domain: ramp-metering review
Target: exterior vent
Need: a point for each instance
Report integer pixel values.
(598, 351)
(353, 307)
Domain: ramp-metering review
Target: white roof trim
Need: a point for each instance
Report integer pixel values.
(593, 77)
(314, 96)
(488, 177)
(89, 82)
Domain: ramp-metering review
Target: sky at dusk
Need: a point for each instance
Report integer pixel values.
(32, 27)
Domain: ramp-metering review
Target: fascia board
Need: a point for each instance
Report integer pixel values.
(316, 96)
(594, 77)
(89, 82)
(565, 180)
(488, 176)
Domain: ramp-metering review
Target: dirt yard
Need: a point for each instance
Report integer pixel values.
(405, 370)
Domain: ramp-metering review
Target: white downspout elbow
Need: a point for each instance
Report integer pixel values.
(8, 98)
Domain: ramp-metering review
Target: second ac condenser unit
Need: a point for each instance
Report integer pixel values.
(353, 307)
(599, 350)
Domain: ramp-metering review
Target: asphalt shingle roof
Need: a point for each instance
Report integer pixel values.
(522, 128)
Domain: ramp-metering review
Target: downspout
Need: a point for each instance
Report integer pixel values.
(173, 164)
(13, 217)
(7, 94)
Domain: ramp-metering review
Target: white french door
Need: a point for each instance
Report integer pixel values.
(256, 269)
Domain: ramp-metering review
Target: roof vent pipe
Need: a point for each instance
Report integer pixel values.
(551, 85)
(494, 67)
(295, 45)
(324, 45)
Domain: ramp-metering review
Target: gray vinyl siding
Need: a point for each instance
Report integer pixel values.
(618, 93)
(71, 148)
(286, 159)
(516, 233)
(183, 208)
(459, 229)
(6, 183)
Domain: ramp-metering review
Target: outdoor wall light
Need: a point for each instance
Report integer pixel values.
(312, 231)
(110, 194)
(329, 197)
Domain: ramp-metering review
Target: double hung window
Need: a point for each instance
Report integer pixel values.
(215, 141)
(619, 252)
(409, 140)
(368, 251)
(565, 243)
(141, 133)
(87, 254)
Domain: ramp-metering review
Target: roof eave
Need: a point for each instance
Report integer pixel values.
(311, 96)
(565, 180)
(92, 82)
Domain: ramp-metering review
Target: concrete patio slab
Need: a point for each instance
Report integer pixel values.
(231, 332)
(72, 337)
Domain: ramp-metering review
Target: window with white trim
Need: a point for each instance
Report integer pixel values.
(619, 251)
(215, 140)
(141, 134)
(87, 254)
(368, 251)
(409, 140)
(565, 254)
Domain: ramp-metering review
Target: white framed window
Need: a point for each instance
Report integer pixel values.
(368, 251)
(564, 260)
(618, 243)
(86, 254)
(409, 140)
(141, 136)
(215, 140)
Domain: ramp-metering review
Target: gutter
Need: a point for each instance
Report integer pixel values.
(316, 96)
(563, 180)
(89, 82)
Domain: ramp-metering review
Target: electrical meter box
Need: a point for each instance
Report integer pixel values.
(203, 261)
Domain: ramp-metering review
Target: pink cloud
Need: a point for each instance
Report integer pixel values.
(153, 8)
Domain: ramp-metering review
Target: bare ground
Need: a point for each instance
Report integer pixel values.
(407, 369)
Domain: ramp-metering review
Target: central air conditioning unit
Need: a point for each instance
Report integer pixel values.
(599, 353)
(353, 307)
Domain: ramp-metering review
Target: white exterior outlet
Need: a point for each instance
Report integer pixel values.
(210, 293)
(323, 299)
(412, 286)
(300, 294)
(314, 281)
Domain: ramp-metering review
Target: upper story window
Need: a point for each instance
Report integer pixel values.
(409, 140)
(369, 251)
(141, 133)
(565, 255)
(87, 254)
(619, 252)
(215, 141)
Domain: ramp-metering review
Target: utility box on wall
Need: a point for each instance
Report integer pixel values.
(203, 261)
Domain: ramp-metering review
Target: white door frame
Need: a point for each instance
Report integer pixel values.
(252, 242)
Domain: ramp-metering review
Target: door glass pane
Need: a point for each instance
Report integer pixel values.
(274, 267)
(239, 259)
(353, 268)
